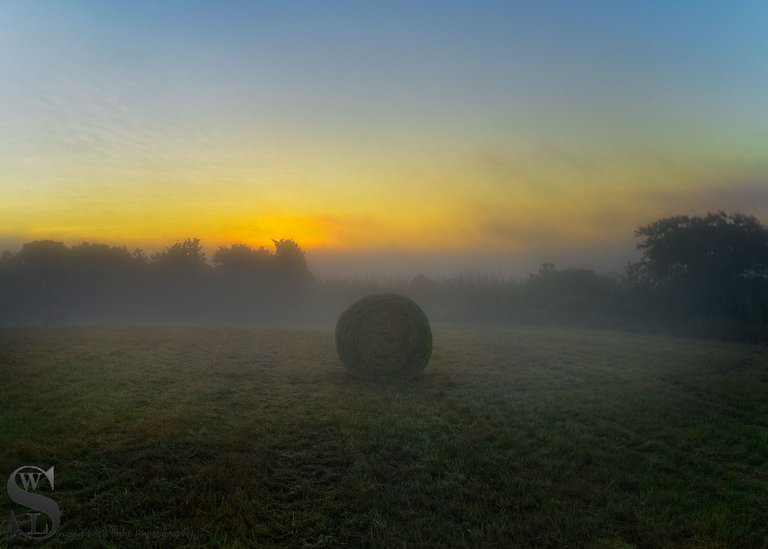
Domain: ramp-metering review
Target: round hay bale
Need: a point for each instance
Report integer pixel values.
(384, 336)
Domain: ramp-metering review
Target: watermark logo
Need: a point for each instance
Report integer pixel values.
(22, 485)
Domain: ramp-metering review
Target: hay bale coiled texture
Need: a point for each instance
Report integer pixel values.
(384, 336)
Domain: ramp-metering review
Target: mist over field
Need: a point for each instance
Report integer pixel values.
(384, 274)
(448, 264)
(705, 276)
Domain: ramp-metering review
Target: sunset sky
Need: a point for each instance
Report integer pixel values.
(451, 134)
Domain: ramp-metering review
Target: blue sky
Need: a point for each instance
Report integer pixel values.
(353, 126)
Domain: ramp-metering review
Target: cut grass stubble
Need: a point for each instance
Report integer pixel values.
(511, 437)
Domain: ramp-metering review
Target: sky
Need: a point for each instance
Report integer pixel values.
(389, 137)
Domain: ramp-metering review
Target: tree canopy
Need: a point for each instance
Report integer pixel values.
(708, 264)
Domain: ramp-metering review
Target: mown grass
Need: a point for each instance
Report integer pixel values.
(511, 437)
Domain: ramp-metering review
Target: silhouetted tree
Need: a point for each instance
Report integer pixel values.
(242, 260)
(43, 258)
(422, 285)
(100, 260)
(290, 260)
(185, 256)
(715, 265)
(712, 269)
(46, 280)
(245, 281)
(576, 290)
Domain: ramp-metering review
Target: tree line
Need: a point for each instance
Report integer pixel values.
(47, 282)
(704, 275)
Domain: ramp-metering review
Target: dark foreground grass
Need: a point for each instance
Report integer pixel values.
(511, 437)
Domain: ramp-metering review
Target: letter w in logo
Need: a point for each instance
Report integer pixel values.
(30, 479)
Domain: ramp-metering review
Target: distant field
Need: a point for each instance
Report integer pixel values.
(512, 437)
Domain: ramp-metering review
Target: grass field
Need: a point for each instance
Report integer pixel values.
(511, 437)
